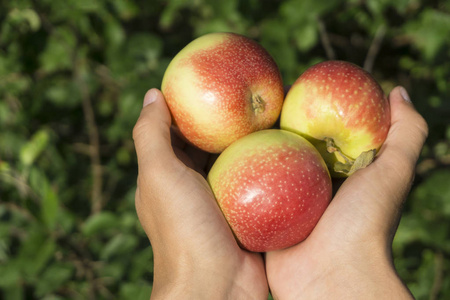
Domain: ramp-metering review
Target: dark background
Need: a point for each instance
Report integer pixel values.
(73, 75)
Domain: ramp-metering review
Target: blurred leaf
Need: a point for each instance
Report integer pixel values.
(126, 9)
(31, 150)
(35, 252)
(137, 291)
(50, 207)
(99, 223)
(123, 156)
(431, 197)
(306, 36)
(171, 11)
(9, 275)
(430, 31)
(49, 199)
(425, 275)
(87, 5)
(58, 54)
(119, 244)
(115, 270)
(27, 15)
(13, 293)
(114, 32)
(142, 263)
(61, 92)
(4, 242)
(53, 278)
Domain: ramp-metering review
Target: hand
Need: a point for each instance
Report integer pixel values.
(348, 254)
(195, 253)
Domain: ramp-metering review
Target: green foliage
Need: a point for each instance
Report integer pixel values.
(72, 77)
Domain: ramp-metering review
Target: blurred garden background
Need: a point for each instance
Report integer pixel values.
(73, 75)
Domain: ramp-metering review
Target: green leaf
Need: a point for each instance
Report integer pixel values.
(5, 240)
(118, 245)
(126, 9)
(14, 292)
(171, 11)
(114, 32)
(306, 36)
(31, 150)
(431, 197)
(53, 278)
(35, 252)
(58, 54)
(98, 223)
(9, 274)
(142, 263)
(49, 207)
(115, 270)
(425, 275)
(135, 291)
(429, 32)
(27, 15)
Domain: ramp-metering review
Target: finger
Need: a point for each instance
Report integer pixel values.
(395, 163)
(398, 156)
(372, 198)
(151, 133)
(384, 185)
(407, 134)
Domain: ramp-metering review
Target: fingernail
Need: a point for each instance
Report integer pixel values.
(150, 97)
(405, 95)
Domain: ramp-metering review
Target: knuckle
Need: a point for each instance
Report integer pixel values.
(139, 128)
(422, 127)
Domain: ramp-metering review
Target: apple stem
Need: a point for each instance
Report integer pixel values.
(351, 165)
(258, 104)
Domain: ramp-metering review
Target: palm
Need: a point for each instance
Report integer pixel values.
(208, 229)
(343, 232)
(355, 222)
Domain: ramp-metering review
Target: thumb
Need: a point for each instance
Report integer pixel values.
(382, 187)
(151, 134)
(406, 136)
(394, 169)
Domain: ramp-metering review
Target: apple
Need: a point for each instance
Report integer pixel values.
(342, 111)
(272, 187)
(221, 87)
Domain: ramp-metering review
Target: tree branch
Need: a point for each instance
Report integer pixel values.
(374, 48)
(94, 141)
(325, 40)
(438, 274)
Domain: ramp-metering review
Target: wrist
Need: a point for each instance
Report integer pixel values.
(365, 274)
(194, 279)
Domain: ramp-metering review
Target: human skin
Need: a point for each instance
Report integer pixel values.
(347, 256)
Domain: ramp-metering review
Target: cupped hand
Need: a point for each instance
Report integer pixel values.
(348, 255)
(195, 253)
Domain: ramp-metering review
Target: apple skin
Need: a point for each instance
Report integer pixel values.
(341, 101)
(272, 187)
(220, 87)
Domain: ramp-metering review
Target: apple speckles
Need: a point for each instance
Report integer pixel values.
(220, 87)
(250, 61)
(352, 109)
(284, 199)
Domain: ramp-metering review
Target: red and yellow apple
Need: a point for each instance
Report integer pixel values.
(272, 187)
(342, 111)
(221, 87)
